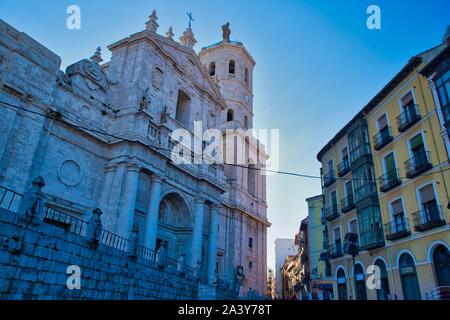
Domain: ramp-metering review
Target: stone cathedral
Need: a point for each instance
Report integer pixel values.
(105, 139)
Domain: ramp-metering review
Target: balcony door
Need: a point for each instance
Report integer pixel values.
(349, 193)
(337, 238)
(390, 168)
(398, 215)
(333, 202)
(417, 149)
(430, 206)
(441, 262)
(408, 276)
(408, 106)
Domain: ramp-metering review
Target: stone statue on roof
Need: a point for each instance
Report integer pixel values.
(226, 32)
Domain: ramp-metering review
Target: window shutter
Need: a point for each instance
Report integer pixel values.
(416, 142)
(397, 207)
(427, 193)
(407, 99)
(382, 122)
(389, 162)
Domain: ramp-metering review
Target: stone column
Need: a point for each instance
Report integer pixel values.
(128, 202)
(197, 236)
(105, 198)
(151, 228)
(212, 245)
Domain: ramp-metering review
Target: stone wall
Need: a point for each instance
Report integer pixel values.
(34, 258)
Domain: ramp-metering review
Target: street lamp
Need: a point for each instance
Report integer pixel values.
(351, 247)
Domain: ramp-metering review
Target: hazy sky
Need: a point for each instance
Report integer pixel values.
(317, 64)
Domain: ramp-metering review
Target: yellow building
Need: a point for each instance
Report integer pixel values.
(386, 178)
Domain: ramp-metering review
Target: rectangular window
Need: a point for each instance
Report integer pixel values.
(382, 122)
(429, 203)
(250, 242)
(353, 226)
(407, 100)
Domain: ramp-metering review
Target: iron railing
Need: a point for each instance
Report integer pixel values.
(367, 189)
(65, 221)
(397, 229)
(418, 164)
(335, 250)
(408, 117)
(146, 253)
(331, 213)
(428, 218)
(329, 179)
(343, 167)
(9, 199)
(389, 180)
(382, 138)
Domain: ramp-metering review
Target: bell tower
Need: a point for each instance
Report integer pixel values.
(231, 67)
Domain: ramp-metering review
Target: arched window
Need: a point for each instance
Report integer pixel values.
(342, 285)
(232, 67)
(183, 108)
(383, 293)
(230, 115)
(360, 283)
(246, 76)
(250, 265)
(245, 122)
(212, 68)
(441, 262)
(408, 276)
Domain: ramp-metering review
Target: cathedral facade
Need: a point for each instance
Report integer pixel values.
(101, 136)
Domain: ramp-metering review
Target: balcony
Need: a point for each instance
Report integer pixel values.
(331, 213)
(428, 219)
(372, 239)
(347, 204)
(343, 168)
(408, 117)
(335, 250)
(397, 229)
(418, 164)
(329, 179)
(382, 138)
(389, 180)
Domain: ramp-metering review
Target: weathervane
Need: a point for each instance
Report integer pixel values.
(189, 14)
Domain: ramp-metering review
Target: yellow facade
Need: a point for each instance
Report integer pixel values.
(411, 232)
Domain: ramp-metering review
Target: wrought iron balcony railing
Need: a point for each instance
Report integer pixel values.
(389, 180)
(372, 239)
(329, 179)
(343, 167)
(428, 218)
(397, 229)
(335, 250)
(347, 204)
(418, 164)
(65, 221)
(408, 117)
(331, 213)
(382, 138)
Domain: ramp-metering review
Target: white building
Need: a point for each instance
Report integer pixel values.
(104, 142)
(283, 248)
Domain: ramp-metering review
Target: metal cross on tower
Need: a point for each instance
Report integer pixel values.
(189, 14)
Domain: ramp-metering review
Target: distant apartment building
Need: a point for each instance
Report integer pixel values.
(283, 248)
(386, 179)
(270, 284)
(320, 271)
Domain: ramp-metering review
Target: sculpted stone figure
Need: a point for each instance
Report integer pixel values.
(161, 254)
(181, 264)
(226, 32)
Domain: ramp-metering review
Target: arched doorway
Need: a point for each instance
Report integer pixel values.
(341, 285)
(383, 293)
(360, 283)
(441, 263)
(408, 276)
(174, 226)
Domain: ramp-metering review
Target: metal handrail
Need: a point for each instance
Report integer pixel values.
(111, 239)
(65, 221)
(8, 198)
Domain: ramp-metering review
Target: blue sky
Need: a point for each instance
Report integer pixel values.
(317, 63)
